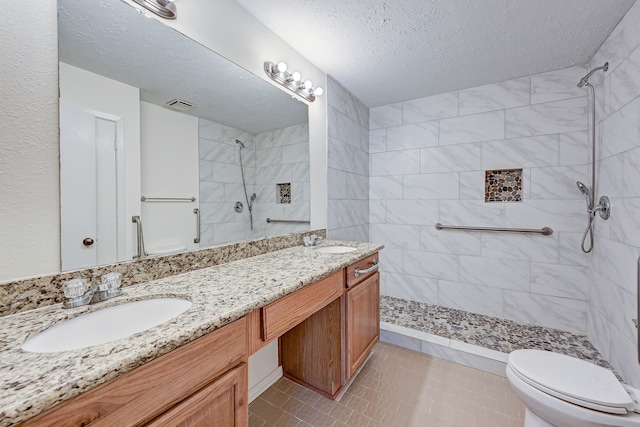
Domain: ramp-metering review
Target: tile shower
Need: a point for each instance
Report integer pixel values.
(427, 163)
(273, 160)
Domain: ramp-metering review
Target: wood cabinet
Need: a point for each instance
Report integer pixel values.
(282, 315)
(219, 404)
(200, 381)
(312, 352)
(362, 321)
(326, 350)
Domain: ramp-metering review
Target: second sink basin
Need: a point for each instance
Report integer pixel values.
(334, 249)
(108, 324)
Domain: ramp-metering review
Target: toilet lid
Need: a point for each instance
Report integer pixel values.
(571, 379)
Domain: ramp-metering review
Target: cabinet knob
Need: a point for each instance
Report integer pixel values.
(88, 241)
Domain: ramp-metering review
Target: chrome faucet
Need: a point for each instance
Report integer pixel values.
(77, 292)
(310, 240)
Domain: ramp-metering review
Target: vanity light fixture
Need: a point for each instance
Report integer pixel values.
(163, 8)
(292, 81)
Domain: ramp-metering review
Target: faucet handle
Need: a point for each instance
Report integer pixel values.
(110, 281)
(74, 288)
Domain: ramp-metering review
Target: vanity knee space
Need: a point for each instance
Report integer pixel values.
(326, 330)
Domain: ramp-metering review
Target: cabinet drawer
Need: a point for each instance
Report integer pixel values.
(140, 395)
(282, 315)
(362, 265)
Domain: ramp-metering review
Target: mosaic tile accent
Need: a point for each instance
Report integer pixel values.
(503, 185)
(284, 193)
(29, 293)
(486, 331)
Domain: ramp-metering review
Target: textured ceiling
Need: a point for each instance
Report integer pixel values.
(113, 39)
(386, 51)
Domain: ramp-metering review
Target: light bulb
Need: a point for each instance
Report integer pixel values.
(295, 76)
(282, 67)
(318, 91)
(308, 84)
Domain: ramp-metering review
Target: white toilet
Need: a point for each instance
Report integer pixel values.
(562, 391)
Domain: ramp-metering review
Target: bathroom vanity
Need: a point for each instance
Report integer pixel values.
(323, 308)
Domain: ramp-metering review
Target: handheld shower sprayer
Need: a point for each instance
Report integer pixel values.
(604, 205)
(585, 190)
(244, 185)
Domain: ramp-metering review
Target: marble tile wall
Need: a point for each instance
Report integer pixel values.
(613, 263)
(270, 158)
(348, 165)
(282, 156)
(428, 163)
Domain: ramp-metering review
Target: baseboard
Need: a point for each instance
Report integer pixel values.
(265, 383)
(353, 377)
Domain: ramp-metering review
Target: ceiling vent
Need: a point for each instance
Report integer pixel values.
(180, 105)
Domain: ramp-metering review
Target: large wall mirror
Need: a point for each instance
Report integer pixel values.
(156, 126)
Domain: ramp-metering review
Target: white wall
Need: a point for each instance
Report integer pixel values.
(613, 291)
(221, 182)
(29, 216)
(94, 92)
(169, 159)
(282, 156)
(348, 165)
(428, 158)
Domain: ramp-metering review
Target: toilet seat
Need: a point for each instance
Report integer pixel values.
(572, 380)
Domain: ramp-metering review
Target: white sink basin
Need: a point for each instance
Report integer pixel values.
(334, 249)
(108, 324)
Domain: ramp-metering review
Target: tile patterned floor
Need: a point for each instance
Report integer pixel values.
(397, 387)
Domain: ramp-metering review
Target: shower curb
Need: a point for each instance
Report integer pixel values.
(474, 356)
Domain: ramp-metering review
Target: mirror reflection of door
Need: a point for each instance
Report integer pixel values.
(90, 172)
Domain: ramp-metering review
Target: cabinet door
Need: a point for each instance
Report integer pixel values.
(363, 321)
(222, 403)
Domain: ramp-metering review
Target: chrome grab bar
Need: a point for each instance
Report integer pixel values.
(295, 221)
(167, 199)
(141, 253)
(196, 211)
(546, 231)
(374, 267)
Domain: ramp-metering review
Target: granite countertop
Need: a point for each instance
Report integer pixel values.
(30, 383)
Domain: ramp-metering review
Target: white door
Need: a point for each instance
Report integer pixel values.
(88, 188)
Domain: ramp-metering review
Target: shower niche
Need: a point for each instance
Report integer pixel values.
(283, 193)
(503, 185)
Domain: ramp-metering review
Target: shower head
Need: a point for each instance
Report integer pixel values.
(253, 197)
(240, 142)
(587, 193)
(583, 81)
(583, 188)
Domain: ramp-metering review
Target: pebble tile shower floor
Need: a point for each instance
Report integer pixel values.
(485, 331)
(397, 387)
